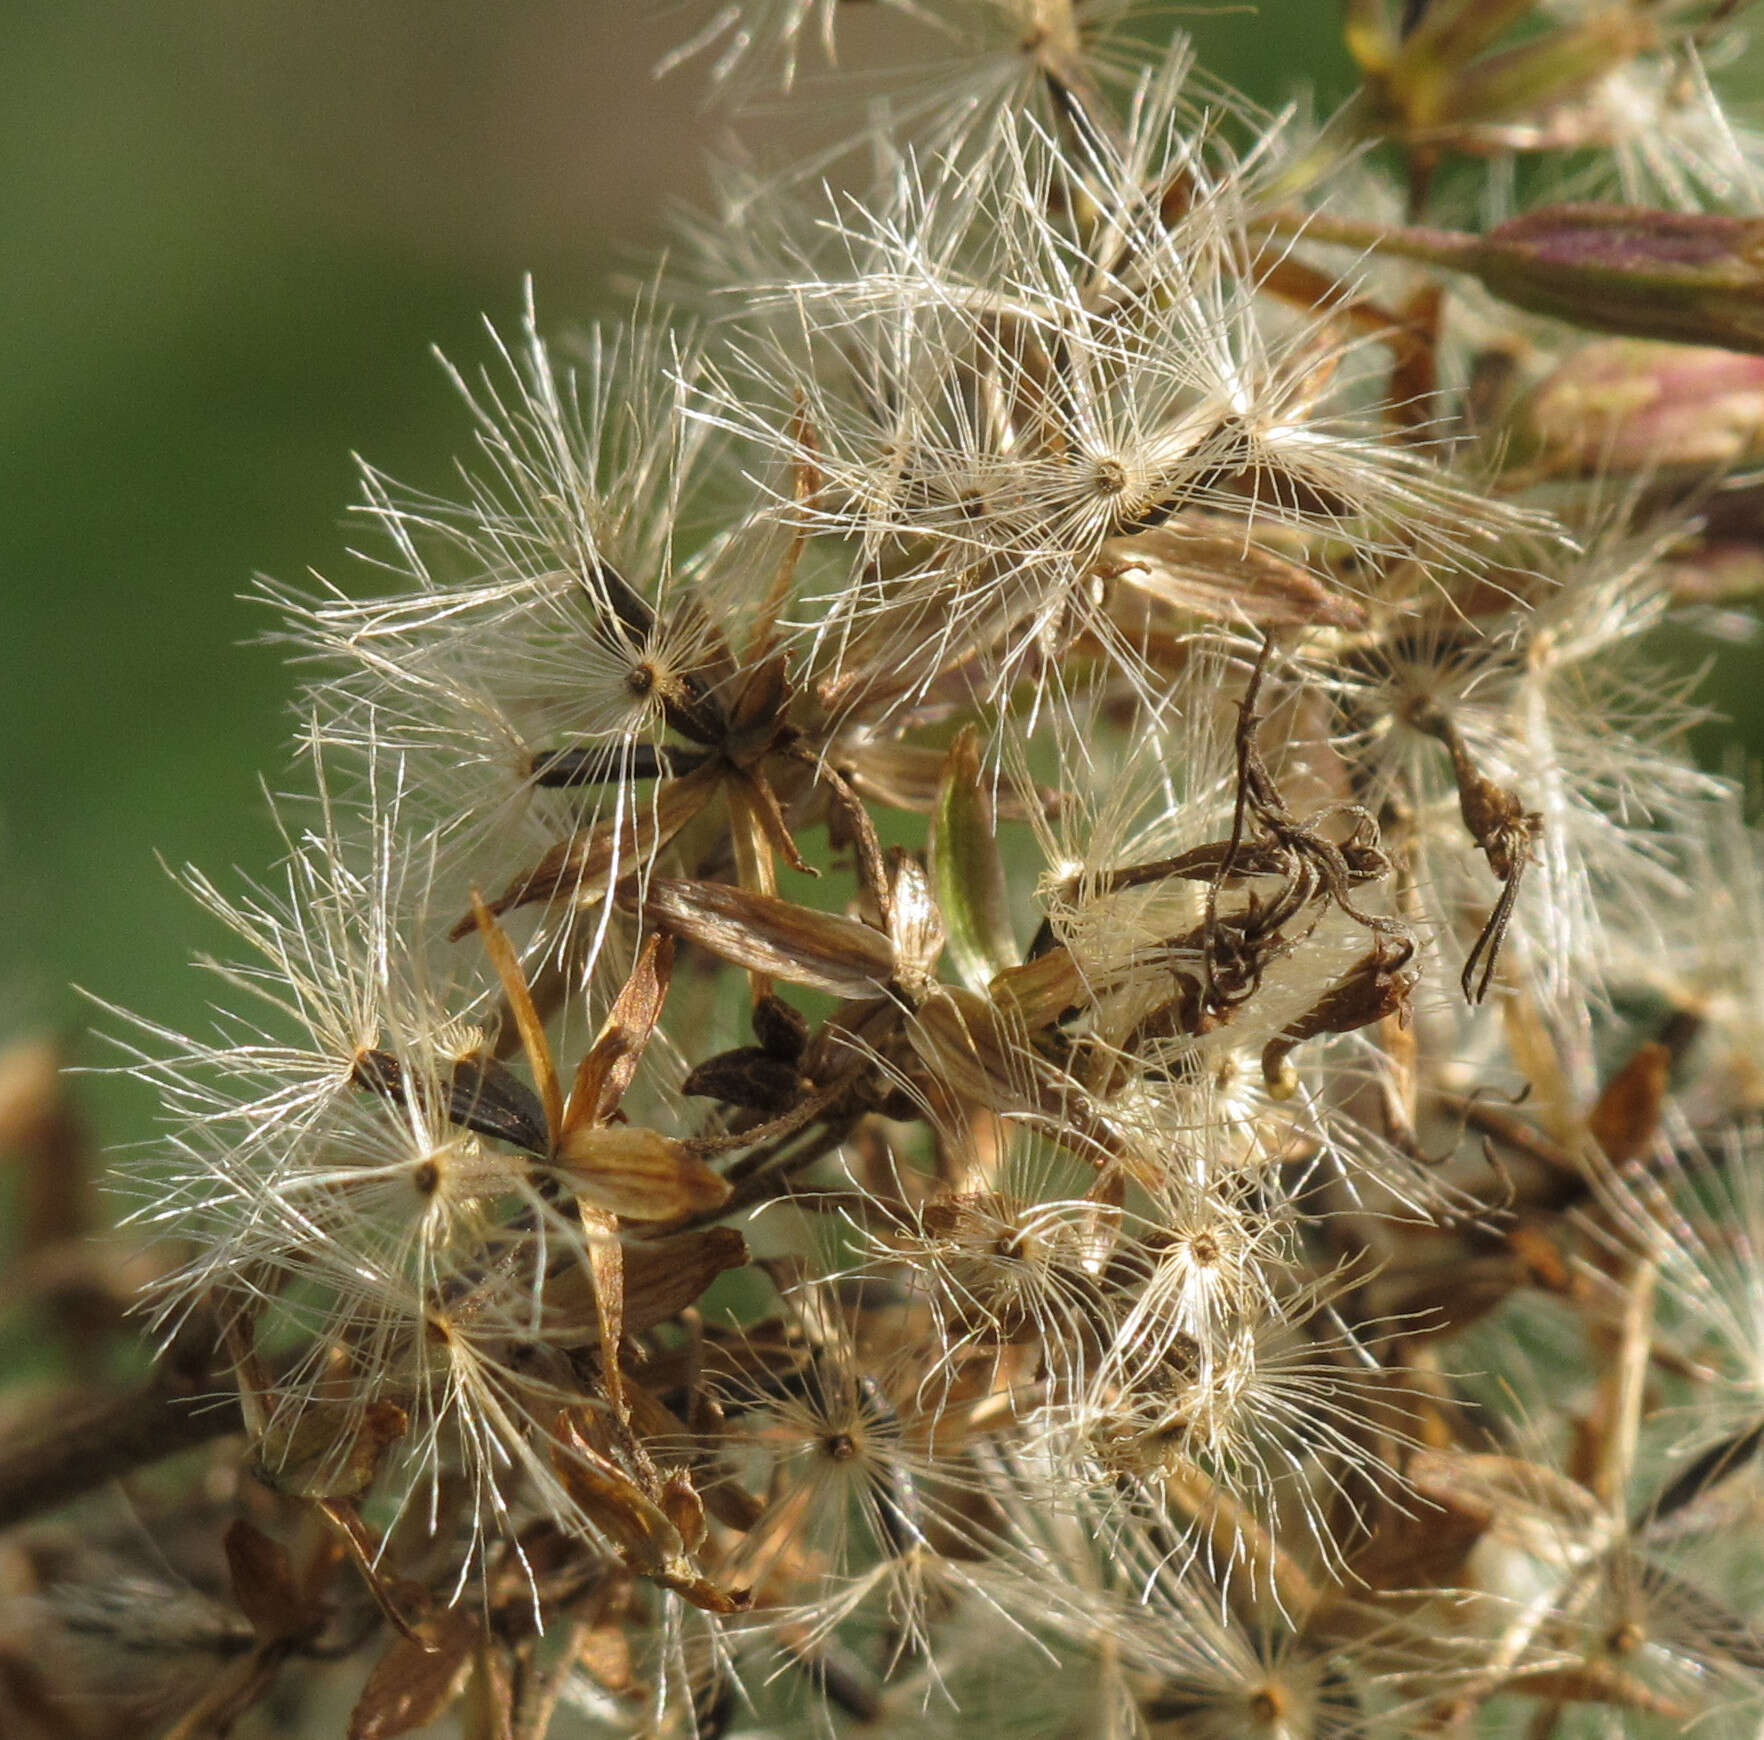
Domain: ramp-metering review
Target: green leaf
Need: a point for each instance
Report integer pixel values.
(966, 870)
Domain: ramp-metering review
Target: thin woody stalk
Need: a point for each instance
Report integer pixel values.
(86, 1438)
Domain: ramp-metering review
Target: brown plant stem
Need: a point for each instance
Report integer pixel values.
(83, 1439)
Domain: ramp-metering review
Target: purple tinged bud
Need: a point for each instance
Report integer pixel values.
(1627, 405)
(1688, 276)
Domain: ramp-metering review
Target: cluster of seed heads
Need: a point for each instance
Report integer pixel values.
(1002, 1001)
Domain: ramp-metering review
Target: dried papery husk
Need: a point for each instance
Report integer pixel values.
(638, 1174)
(819, 950)
(662, 1276)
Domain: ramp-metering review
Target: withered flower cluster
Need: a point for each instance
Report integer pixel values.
(1004, 1002)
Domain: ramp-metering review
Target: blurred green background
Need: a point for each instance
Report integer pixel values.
(232, 229)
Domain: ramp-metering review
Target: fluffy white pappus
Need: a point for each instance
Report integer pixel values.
(1136, 794)
(1034, 356)
(1203, 1669)
(1188, 1272)
(752, 45)
(1205, 1646)
(762, 231)
(583, 459)
(1679, 1648)
(550, 641)
(344, 958)
(535, 605)
(1131, 859)
(1700, 957)
(1569, 1585)
(363, 1185)
(1559, 706)
(518, 736)
(1655, 130)
(1695, 1210)
(1067, 64)
(960, 71)
(1013, 1264)
(434, 1363)
(1674, 139)
(869, 1524)
(1332, 1127)
(1285, 1421)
